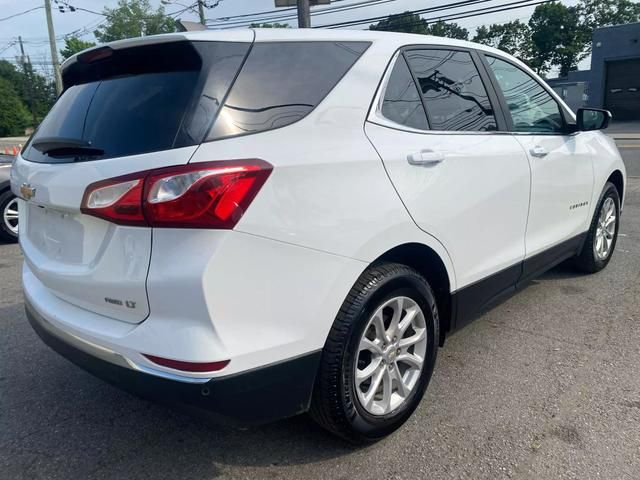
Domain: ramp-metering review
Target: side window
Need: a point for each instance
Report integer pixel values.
(281, 82)
(401, 103)
(455, 97)
(532, 108)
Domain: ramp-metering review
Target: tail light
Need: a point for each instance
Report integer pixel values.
(200, 195)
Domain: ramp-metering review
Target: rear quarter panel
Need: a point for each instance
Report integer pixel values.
(328, 190)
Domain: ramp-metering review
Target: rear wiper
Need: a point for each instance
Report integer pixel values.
(66, 147)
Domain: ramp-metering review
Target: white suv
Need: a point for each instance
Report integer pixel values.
(259, 223)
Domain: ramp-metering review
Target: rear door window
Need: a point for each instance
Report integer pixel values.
(140, 100)
(281, 82)
(455, 97)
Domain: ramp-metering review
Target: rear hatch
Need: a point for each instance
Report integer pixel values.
(125, 109)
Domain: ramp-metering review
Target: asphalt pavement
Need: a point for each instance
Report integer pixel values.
(544, 386)
(630, 151)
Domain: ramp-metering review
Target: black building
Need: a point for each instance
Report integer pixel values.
(615, 71)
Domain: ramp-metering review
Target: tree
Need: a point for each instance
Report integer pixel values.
(133, 18)
(269, 25)
(406, 22)
(27, 83)
(512, 37)
(602, 13)
(73, 45)
(14, 117)
(558, 37)
(449, 30)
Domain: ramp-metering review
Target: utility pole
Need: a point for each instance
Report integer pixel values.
(54, 49)
(201, 11)
(24, 60)
(304, 15)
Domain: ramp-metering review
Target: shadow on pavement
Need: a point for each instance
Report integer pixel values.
(51, 410)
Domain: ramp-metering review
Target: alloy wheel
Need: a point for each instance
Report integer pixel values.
(605, 229)
(390, 355)
(10, 216)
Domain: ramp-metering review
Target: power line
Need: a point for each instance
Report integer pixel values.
(496, 10)
(279, 10)
(278, 15)
(8, 46)
(325, 11)
(457, 15)
(107, 15)
(21, 13)
(462, 3)
(457, 4)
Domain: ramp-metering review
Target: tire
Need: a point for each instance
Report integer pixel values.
(336, 402)
(6, 234)
(589, 260)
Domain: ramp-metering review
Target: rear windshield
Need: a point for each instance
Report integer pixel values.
(139, 100)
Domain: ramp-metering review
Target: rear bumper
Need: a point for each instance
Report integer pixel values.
(250, 398)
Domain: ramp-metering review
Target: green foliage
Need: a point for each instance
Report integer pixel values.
(602, 13)
(558, 37)
(73, 45)
(27, 82)
(449, 30)
(269, 25)
(14, 117)
(511, 37)
(402, 22)
(412, 23)
(133, 18)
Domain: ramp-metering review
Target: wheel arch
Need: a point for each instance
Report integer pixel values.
(429, 264)
(618, 181)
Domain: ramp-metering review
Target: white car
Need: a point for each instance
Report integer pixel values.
(260, 223)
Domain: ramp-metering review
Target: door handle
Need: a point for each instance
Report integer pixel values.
(538, 151)
(425, 157)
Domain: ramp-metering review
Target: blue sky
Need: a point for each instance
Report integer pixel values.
(32, 26)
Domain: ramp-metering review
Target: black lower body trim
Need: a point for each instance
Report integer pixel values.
(538, 264)
(471, 301)
(249, 398)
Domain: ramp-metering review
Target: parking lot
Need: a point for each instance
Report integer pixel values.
(544, 386)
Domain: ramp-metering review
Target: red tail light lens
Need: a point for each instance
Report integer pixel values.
(211, 195)
(200, 195)
(118, 200)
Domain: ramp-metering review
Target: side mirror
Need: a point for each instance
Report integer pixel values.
(589, 119)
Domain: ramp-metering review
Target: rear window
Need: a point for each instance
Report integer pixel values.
(282, 82)
(140, 100)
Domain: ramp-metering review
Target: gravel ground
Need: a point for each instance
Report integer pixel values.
(544, 386)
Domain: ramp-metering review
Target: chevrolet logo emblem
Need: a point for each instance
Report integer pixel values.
(27, 191)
